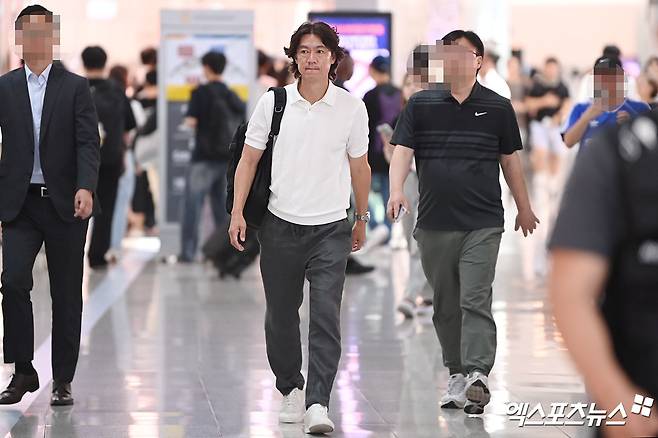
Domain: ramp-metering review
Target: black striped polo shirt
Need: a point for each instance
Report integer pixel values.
(457, 148)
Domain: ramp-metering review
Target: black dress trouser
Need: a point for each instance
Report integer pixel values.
(37, 223)
(101, 232)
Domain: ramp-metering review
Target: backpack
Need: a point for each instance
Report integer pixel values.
(222, 123)
(110, 109)
(259, 195)
(147, 141)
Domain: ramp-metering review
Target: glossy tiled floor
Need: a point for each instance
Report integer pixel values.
(172, 351)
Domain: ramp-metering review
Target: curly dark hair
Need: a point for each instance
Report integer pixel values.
(329, 37)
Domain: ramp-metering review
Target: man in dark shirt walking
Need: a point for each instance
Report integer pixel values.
(383, 103)
(604, 276)
(214, 111)
(115, 119)
(460, 132)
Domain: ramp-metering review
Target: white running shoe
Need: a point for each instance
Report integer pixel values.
(292, 408)
(316, 420)
(477, 393)
(455, 397)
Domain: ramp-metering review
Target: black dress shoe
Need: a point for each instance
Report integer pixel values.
(19, 385)
(61, 395)
(98, 264)
(355, 268)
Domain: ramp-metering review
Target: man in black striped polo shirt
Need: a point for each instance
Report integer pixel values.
(459, 132)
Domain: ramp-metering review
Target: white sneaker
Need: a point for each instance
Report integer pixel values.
(455, 397)
(477, 393)
(292, 408)
(317, 420)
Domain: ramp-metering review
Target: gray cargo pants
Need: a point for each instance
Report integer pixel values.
(460, 266)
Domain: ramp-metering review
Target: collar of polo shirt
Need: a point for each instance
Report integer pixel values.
(329, 97)
(475, 89)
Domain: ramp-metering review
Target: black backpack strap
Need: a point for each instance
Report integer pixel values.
(279, 105)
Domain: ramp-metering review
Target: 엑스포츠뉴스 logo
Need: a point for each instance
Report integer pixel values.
(576, 414)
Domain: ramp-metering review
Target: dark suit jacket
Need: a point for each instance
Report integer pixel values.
(69, 141)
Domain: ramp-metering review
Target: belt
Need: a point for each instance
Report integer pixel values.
(39, 190)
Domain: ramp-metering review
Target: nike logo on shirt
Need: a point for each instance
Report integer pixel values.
(477, 114)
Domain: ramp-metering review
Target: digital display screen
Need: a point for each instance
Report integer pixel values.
(366, 35)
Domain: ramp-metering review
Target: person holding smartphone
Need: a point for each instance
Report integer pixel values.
(608, 107)
(461, 134)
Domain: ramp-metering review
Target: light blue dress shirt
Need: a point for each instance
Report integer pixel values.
(36, 88)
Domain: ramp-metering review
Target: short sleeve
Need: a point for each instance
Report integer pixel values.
(258, 128)
(510, 139)
(194, 108)
(590, 217)
(403, 134)
(575, 114)
(357, 143)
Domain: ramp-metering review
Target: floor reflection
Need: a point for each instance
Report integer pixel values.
(182, 354)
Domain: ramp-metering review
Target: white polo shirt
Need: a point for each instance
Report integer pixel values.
(311, 181)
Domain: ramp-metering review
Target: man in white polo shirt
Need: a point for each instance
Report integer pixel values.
(322, 146)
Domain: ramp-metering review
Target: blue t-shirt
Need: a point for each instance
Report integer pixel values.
(607, 118)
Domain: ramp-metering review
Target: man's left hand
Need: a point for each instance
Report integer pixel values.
(527, 221)
(84, 204)
(358, 235)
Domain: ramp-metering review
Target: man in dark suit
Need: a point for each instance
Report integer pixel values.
(48, 175)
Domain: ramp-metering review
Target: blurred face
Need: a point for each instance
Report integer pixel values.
(36, 37)
(374, 74)
(313, 58)
(552, 71)
(418, 65)
(410, 86)
(513, 66)
(609, 86)
(644, 88)
(453, 63)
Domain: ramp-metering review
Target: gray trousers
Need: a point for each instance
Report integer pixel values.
(290, 253)
(460, 266)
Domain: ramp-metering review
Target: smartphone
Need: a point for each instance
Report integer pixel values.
(385, 129)
(401, 212)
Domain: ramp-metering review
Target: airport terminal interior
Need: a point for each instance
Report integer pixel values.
(173, 342)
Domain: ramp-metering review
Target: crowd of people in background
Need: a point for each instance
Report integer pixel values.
(419, 154)
(554, 111)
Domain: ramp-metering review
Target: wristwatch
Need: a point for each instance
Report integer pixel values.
(362, 217)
